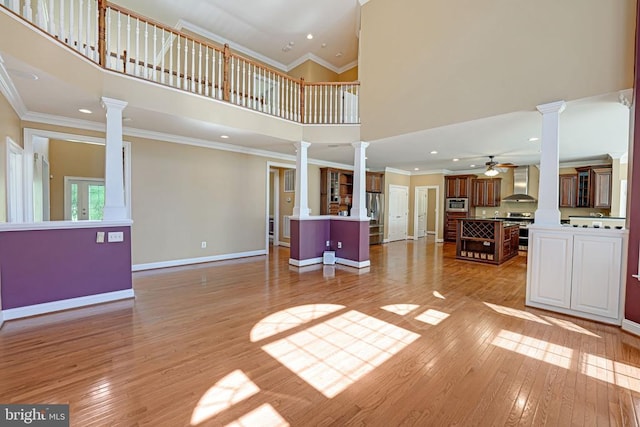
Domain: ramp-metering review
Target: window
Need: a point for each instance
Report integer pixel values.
(84, 199)
(289, 180)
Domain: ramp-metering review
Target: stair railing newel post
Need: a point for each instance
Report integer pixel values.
(226, 88)
(102, 33)
(302, 120)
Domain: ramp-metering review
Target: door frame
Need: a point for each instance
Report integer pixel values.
(276, 202)
(67, 194)
(13, 148)
(388, 227)
(415, 209)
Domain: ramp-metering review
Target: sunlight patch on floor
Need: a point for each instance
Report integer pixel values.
(438, 295)
(607, 370)
(532, 347)
(263, 416)
(290, 318)
(230, 390)
(570, 326)
(336, 353)
(516, 313)
(432, 317)
(400, 309)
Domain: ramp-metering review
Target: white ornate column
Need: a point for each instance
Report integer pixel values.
(114, 207)
(358, 206)
(548, 212)
(301, 207)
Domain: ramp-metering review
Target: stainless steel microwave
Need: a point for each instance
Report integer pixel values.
(457, 205)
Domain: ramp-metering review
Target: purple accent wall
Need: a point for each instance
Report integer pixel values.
(308, 238)
(632, 302)
(354, 236)
(39, 266)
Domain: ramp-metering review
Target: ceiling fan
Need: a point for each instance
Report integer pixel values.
(494, 168)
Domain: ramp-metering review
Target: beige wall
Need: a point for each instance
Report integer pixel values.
(433, 63)
(71, 159)
(313, 72)
(9, 127)
(351, 75)
(424, 181)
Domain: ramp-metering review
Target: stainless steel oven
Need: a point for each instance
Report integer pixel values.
(457, 205)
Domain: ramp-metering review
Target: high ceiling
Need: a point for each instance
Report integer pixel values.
(274, 31)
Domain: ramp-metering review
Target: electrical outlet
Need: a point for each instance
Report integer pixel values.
(100, 237)
(339, 245)
(203, 245)
(328, 244)
(115, 236)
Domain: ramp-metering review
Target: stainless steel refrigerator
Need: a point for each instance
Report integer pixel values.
(375, 211)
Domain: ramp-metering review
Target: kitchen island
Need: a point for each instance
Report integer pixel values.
(491, 241)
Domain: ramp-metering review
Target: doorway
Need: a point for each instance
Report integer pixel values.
(426, 216)
(398, 212)
(83, 199)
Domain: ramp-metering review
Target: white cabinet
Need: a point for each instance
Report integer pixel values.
(577, 272)
(595, 286)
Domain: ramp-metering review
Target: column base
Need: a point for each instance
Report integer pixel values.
(110, 213)
(547, 217)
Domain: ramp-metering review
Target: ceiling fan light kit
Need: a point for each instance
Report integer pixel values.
(491, 171)
(493, 167)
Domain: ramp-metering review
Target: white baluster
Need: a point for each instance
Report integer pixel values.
(162, 55)
(137, 55)
(238, 101)
(52, 25)
(178, 80)
(72, 42)
(40, 19)
(200, 81)
(185, 80)
(206, 71)
(61, 22)
(154, 54)
(220, 74)
(108, 41)
(87, 46)
(193, 65)
(27, 12)
(82, 47)
(128, 43)
(145, 70)
(170, 59)
(119, 43)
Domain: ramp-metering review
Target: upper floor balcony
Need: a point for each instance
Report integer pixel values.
(125, 43)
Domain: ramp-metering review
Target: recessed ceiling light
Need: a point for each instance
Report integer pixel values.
(127, 119)
(224, 136)
(366, 158)
(292, 43)
(416, 169)
(434, 152)
(323, 45)
(338, 55)
(309, 36)
(533, 139)
(455, 160)
(472, 166)
(85, 111)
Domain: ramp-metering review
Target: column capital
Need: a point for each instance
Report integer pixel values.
(113, 103)
(552, 107)
(302, 144)
(360, 144)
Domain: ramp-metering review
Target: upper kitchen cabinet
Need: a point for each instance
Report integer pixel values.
(594, 187)
(375, 182)
(568, 185)
(336, 191)
(485, 192)
(458, 186)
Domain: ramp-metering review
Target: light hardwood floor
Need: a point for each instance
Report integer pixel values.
(418, 339)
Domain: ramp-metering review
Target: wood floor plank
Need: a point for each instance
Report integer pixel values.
(472, 354)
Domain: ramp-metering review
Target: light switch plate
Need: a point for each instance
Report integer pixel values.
(116, 236)
(100, 237)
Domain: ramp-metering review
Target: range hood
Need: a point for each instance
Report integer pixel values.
(520, 186)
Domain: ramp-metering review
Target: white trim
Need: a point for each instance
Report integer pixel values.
(348, 66)
(285, 244)
(62, 225)
(356, 264)
(10, 92)
(305, 262)
(571, 312)
(50, 307)
(13, 147)
(385, 240)
(631, 327)
(51, 119)
(315, 58)
(439, 240)
(397, 171)
(363, 2)
(186, 25)
(415, 209)
(188, 261)
(433, 172)
(412, 237)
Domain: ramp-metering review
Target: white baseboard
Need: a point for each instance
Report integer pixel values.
(356, 264)
(385, 240)
(188, 261)
(631, 327)
(439, 240)
(412, 238)
(50, 307)
(305, 262)
(1, 319)
(285, 244)
(431, 232)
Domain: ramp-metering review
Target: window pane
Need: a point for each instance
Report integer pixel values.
(74, 202)
(96, 202)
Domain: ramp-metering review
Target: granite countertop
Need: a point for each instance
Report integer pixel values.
(596, 218)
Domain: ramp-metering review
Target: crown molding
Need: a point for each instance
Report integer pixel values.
(50, 119)
(431, 172)
(186, 25)
(397, 171)
(10, 92)
(363, 2)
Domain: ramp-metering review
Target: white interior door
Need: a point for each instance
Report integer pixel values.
(15, 182)
(421, 201)
(84, 199)
(398, 212)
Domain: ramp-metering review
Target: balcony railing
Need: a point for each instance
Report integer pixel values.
(123, 41)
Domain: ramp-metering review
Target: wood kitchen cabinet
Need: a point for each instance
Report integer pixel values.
(486, 240)
(336, 191)
(451, 224)
(374, 182)
(485, 192)
(458, 186)
(568, 187)
(594, 187)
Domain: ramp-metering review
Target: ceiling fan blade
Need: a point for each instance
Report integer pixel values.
(505, 165)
